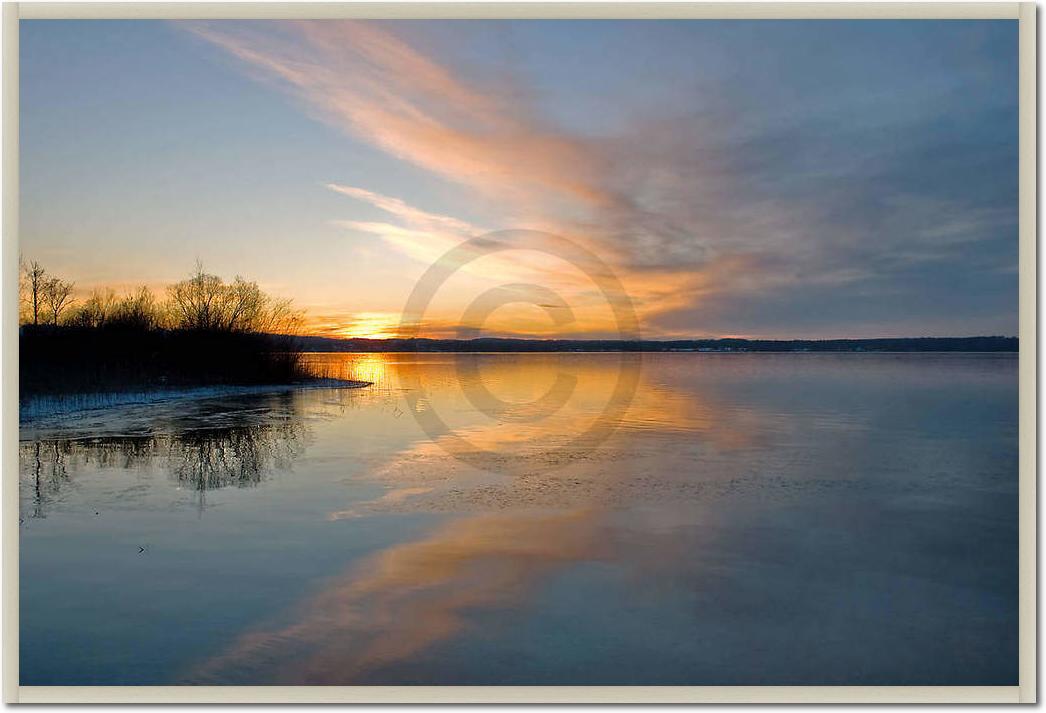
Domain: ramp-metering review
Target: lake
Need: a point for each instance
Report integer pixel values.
(604, 519)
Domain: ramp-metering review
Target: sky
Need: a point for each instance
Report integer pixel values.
(739, 178)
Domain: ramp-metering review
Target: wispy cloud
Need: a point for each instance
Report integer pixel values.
(408, 213)
(367, 81)
(716, 219)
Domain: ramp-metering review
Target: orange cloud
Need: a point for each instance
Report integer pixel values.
(620, 199)
(369, 82)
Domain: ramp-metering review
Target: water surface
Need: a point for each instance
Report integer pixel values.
(740, 519)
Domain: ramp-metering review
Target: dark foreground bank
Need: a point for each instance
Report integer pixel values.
(71, 360)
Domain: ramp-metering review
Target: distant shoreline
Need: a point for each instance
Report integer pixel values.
(504, 345)
(671, 351)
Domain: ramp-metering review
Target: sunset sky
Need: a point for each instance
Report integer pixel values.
(759, 178)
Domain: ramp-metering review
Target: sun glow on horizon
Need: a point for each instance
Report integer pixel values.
(369, 325)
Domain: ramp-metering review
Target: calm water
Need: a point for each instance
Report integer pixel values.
(473, 519)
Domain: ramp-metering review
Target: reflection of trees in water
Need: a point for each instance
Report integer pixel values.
(207, 460)
(199, 457)
(42, 474)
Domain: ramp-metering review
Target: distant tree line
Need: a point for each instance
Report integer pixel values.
(497, 344)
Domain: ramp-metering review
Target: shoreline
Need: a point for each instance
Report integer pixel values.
(45, 410)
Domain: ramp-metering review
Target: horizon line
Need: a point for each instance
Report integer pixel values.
(651, 339)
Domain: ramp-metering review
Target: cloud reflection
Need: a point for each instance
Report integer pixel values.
(518, 531)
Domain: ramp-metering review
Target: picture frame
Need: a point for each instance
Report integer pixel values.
(1024, 13)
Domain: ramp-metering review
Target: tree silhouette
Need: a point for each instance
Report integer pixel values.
(205, 302)
(36, 280)
(57, 295)
(97, 310)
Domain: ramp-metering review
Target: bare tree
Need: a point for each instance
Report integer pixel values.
(57, 294)
(283, 318)
(138, 310)
(243, 305)
(35, 281)
(195, 303)
(97, 310)
(204, 301)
